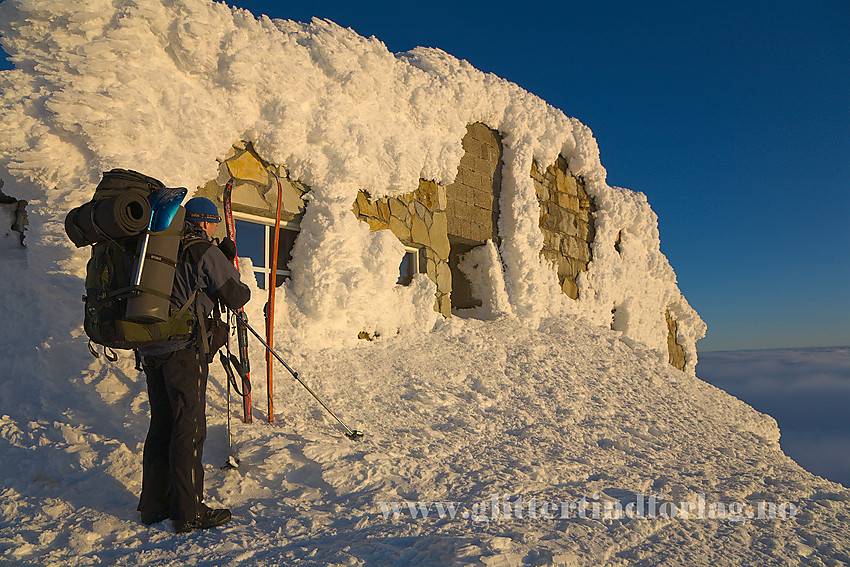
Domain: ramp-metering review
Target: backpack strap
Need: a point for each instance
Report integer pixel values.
(192, 248)
(202, 327)
(189, 249)
(187, 304)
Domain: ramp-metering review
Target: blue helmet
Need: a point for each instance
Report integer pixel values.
(201, 209)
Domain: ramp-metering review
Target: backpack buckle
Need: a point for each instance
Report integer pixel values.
(108, 353)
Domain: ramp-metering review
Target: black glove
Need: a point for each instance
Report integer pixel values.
(228, 248)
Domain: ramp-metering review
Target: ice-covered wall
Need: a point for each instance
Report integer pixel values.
(13, 221)
(166, 88)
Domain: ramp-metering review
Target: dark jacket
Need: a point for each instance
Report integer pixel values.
(203, 267)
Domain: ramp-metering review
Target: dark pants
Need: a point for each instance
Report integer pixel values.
(172, 473)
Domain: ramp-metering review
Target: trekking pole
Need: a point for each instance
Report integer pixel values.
(352, 434)
(232, 460)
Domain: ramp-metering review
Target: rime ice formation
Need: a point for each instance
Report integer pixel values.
(167, 88)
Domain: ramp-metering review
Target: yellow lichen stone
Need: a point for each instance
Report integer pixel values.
(248, 168)
(383, 210)
(419, 232)
(426, 194)
(365, 208)
(401, 230)
(398, 209)
(291, 201)
(439, 236)
(247, 194)
(375, 224)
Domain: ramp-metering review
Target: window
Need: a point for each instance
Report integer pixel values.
(255, 239)
(411, 264)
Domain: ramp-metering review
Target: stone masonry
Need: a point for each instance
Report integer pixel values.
(254, 186)
(418, 220)
(473, 198)
(674, 349)
(473, 205)
(443, 221)
(566, 220)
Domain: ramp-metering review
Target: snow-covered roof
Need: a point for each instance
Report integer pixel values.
(167, 88)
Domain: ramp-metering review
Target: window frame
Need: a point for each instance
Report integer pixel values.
(415, 266)
(268, 226)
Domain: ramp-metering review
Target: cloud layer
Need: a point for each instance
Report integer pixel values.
(806, 390)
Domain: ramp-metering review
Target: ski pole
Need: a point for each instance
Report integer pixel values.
(352, 434)
(232, 459)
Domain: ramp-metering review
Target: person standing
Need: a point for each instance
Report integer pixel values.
(176, 374)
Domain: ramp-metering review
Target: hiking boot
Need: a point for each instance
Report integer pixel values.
(149, 518)
(207, 518)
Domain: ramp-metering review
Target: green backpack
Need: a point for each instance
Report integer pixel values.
(130, 274)
(108, 289)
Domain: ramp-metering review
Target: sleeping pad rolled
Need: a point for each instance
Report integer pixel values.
(118, 216)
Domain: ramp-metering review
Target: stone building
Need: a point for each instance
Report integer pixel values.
(566, 220)
(437, 224)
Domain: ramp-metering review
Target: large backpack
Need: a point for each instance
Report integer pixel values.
(130, 274)
(119, 208)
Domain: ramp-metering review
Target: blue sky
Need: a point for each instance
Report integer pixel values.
(733, 118)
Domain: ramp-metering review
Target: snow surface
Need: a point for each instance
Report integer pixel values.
(540, 398)
(473, 409)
